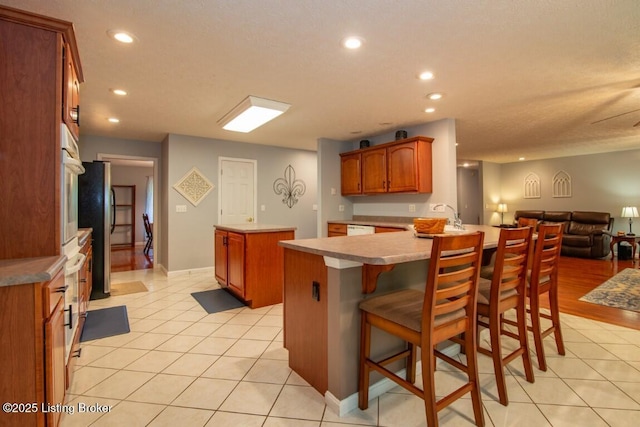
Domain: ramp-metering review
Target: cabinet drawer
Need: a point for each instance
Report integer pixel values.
(388, 229)
(53, 291)
(337, 229)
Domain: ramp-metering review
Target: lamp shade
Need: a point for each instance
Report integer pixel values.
(629, 212)
(252, 113)
(502, 207)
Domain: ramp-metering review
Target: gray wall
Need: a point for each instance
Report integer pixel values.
(190, 234)
(600, 182)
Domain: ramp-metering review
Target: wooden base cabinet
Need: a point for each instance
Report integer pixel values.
(32, 365)
(250, 263)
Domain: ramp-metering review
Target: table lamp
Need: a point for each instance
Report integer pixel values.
(502, 208)
(629, 212)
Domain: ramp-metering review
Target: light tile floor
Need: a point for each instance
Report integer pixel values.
(182, 366)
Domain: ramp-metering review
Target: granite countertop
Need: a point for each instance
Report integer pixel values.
(381, 248)
(30, 270)
(252, 227)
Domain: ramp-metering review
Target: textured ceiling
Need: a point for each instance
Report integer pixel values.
(521, 77)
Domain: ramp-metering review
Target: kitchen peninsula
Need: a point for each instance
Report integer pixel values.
(324, 281)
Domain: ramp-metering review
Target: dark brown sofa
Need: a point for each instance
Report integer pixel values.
(586, 234)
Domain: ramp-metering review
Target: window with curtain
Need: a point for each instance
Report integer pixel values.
(149, 198)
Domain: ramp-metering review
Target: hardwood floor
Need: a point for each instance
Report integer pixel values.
(126, 259)
(578, 276)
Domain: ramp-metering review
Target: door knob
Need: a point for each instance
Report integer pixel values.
(250, 219)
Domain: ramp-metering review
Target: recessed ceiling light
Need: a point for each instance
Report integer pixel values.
(426, 75)
(429, 110)
(121, 36)
(119, 92)
(434, 96)
(352, 42)
(521, 158)
(113, 120)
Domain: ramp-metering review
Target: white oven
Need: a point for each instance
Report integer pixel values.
(71, 168)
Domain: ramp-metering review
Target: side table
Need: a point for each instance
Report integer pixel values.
(632, 240)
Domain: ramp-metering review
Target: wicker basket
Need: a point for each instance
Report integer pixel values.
(429, 225)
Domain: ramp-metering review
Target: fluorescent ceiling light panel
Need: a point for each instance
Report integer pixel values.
(252, 113)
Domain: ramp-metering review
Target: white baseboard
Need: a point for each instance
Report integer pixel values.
(189, 271)
(344, 406)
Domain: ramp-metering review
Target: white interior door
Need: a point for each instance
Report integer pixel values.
(237, 191)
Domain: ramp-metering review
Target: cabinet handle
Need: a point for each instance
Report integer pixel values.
(70, 310)
(383, 184)
(78, 352)
(62, 289)
(83, 280)
(75, 115)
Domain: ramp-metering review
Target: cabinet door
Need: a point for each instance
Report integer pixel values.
(350, 174)
(71, 94)
(235, 273)
(374, 171)
(402, 160)
(55, 368)
(220, 250)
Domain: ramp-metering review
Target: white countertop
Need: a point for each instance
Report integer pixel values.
(382, 248)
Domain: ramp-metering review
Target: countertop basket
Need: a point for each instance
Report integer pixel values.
(429, 225)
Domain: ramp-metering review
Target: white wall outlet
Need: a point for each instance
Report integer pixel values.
(341, 208)
(412, 208)
(333, 191)
(181, 208)
(436, 207)
(263, 208)
(314, 207)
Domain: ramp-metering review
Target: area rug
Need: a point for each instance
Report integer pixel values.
(217, 300)
(105, 322)
(127, 288)
(621, 291)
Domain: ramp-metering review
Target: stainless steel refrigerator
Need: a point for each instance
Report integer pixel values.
(96, 205)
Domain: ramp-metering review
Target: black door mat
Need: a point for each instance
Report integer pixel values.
(217, 300)
(105, 322)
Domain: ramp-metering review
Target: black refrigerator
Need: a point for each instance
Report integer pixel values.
(96, 204)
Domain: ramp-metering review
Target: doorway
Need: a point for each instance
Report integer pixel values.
(143, 172)
(237, 197)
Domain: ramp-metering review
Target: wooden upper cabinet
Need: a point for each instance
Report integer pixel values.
(71, 102)
(374, 171)
(350, 174)
(396, 167)
(409, 168)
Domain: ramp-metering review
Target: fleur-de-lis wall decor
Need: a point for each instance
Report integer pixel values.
(289, 187)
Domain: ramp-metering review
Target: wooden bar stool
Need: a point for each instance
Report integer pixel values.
(543, 279)
(505, 291)
(423, 319)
